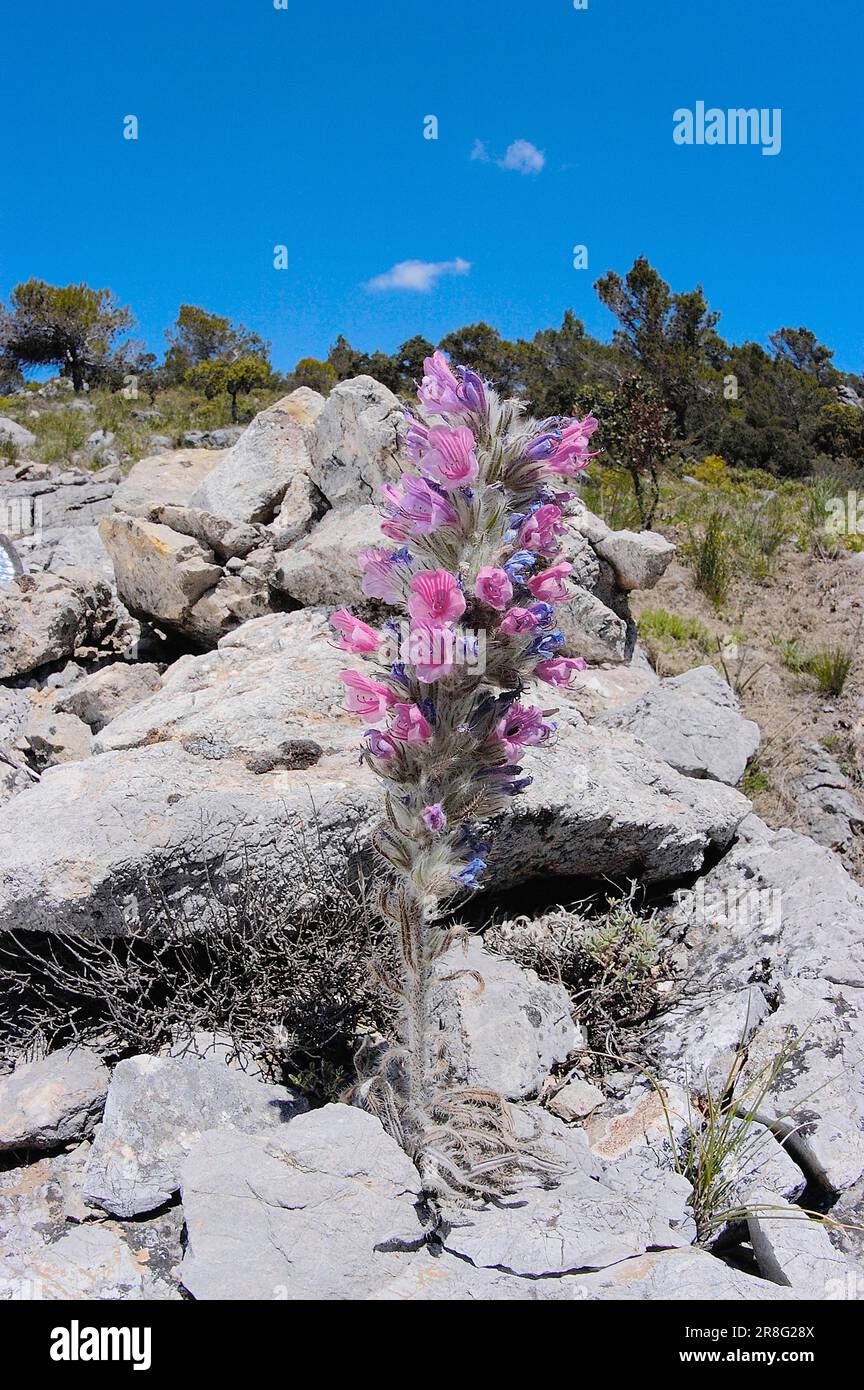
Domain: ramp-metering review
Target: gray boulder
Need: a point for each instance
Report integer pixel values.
(52, 1101)
(322, 568)
(46, 617)
(793, 1250)
(692, 722)
(639, 558)
(580, 1224)
(23, 439)
(318, 1211)
(831, 815)
(503, 1027)
(157, 1108)
(227, 742)
(98, 698)
(592, 630)
(775, 942)
(356, 446)
(160, 574)
(57, 548)
(252, 478)
(51, 738)
(165, 478)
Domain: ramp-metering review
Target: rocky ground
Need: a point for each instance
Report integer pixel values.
(169, 701)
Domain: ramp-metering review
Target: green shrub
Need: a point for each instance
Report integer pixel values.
(711, 557)
(671, 628)
(830, 668)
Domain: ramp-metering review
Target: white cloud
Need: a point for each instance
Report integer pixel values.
(480, 152)
(523, 157)
(420, 276)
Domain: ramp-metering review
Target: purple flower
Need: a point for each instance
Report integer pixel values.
(417, 510)
(439, 392)
(380, 745)
(434, 818)
(523, 726)
(472, 390)
(469, 877)
(381, 573)
(543, 612)
(547, 645)
(543, 529)
(519, 564)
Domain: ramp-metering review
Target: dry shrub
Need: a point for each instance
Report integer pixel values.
(278, 959)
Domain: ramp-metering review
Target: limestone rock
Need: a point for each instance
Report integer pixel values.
(161, 574)
(83, 844)
(98, 698)
(322, 568)
(66, 547)
(575, 1100)
(356, 446)
(692, 722)
(46, 617)
(13, 433)
(592, 630)
(639, 558)
(52, 738)
(157, 1108)
(506, 1032)
(166, 479)
(791, 1249)
(52, 1101)
(251, 479)
(320, 1210)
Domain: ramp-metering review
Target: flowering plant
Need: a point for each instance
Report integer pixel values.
(478, 528)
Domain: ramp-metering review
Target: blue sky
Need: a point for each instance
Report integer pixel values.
(304, 127)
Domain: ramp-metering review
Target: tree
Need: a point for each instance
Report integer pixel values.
(670, 336)
(198, 336)
(345, 360)
(318, 376)
(634, 433)
(149, 376)
(72, 327)
(218, 377)
(802, 350)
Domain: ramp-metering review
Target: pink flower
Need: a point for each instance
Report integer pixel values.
(430, 651)
(435, 597)
(518, 620)
(408, 724)
(439, 391)
(542, 530)
(523, 726)
(570, 452)
(493, 587)
(381, 577)
(380, 745)
(548, 585)
(449, 457)
(364, 696)
(415, 511)
(354, 636)
(416, 438)
(559, 670)
(434, 818)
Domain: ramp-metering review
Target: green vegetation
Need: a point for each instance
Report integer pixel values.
(668, 389)
(710, 553)
(670, 629)
(830, 669)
